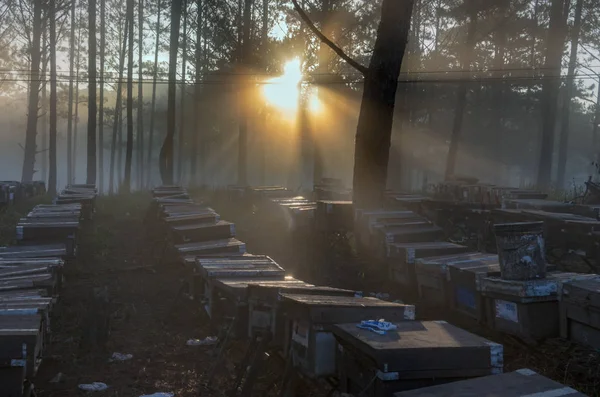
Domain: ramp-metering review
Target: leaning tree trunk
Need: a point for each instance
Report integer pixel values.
(140, 107)
(196, 133)
(92, 108)
(181, 139)
(52, 179)
(70, 106)
(126, 187)
(550, 87)
(101, 108)
(117, 114)
(566, 109)
(153, 106)
(461, 95)
(34, 91)
(166, 151)
(374, 130)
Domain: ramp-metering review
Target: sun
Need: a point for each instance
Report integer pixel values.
(283, 91)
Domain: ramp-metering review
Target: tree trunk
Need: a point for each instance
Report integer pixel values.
(44, 127)
(243, 124)
(596, 126)
(461, 96)
(76, 121)
(126, 187)
(70, 105)
(566, 109)
(166, 151)
(181, 139)
(550, 86)
(498, 90)
(197, 132)
(101, 110)
(34, 91)
(154, 79)
(117, 114)
(52, 149)
(374, 130)
(140, 108)
(92, 109)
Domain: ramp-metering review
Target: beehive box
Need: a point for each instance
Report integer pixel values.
(34, 251)
(580, 311)
(208, 270)
(528, 309)
(520, 383)
(230, 245)
(334, 215)
(19, 330)
(401, 260)
(265, 305)
(203, 232)
(432, 276)
(308, 326)
(416, 354)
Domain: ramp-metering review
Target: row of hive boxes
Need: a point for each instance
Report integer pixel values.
(30, 281)
(314, 324)
(483, 193)
(470, 283)
(12, 192)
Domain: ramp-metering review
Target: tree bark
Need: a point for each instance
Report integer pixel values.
(70, 109)
(243, 123)
(181, 138)
(52, 179)
(550, 86)
(126, 187)
(117, 114)
(34, 96)
(461, 96)
(154, 79)
(566, 108)
(166, 151)
(101, 109)
(76, 121)
(92, 107)
(197, 133)
(140, 108)
(44, 127)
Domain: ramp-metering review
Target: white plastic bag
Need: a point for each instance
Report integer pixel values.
(96, 386)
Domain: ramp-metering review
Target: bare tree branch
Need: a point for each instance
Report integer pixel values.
(329, 43)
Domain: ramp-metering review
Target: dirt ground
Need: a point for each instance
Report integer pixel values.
(148, 321)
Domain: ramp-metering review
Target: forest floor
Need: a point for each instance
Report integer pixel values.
(148, 321)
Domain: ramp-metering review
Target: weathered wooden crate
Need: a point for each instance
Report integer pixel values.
(13, 367)
(416, 354)
(332, 215)
(432, 276)
(308, 326)
(203, 232)
(580, 311)
(537, 204)
(266, 310)
(21, 330)
(401, 260)
(208, 270)
(527, 309)
(230, 245)
(464, 284)
(520, 383)
(34, 251)
(365, 220)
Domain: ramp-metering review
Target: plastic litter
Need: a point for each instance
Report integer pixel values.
(378, 326)
(96, 386)
(209, 340)
(159, 394)
(120, 357)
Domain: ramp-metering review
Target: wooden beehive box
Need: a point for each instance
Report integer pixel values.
(401, 260)
(580, 311)
(528, 309)
(416, 354)
(308, 325)
(520, 383)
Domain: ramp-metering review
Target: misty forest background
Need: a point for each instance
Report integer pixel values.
(502, 90)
